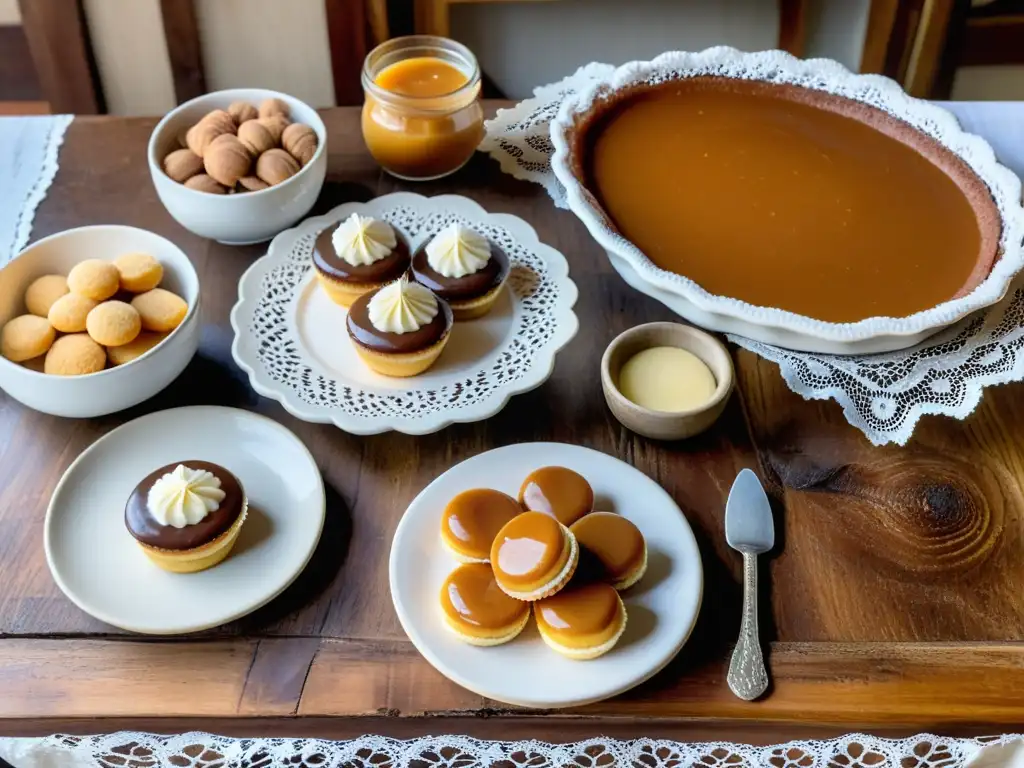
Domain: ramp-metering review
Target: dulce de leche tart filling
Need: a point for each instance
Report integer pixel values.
(472, 520)
(360, 255)
(612, 549)
(581, 622)
(186, 516)
(533, 556)
(477, 610)
(559, 492)
(464, 268)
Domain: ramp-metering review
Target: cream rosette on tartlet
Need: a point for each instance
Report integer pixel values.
(400, 329)
(360, 255)
(464, 268)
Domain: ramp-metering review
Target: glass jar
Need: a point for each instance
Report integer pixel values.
(422, 136)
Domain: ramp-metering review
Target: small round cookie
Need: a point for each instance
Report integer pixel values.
(94, 278)
(113, 323)
(43, 291)
(160, 310)
(75, 355)
(142, 343)
(139, 272)
(68, 313)
(25, 337)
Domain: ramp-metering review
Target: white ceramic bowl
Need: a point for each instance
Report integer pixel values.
(242, 218)
(113, 389)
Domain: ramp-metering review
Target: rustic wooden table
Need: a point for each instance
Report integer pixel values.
(895, 589)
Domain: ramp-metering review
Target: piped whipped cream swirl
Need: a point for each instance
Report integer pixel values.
(457, 251)
(362, 240)
(184, 496)
(402, 307)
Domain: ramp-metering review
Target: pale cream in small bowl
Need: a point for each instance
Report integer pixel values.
(704, 399)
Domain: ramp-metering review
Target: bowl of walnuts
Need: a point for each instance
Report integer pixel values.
(239, 166)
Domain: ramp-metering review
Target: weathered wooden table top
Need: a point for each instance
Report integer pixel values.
(896, 591)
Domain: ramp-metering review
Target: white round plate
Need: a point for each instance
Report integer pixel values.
(292, 341)
(97, 563)
(662, 608)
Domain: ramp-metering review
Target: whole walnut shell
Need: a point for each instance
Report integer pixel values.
(276, 125)
(227, 160)
(251, 184)
(203, 183)
(275, 166)
(241, 111)
(221, 119)
(201, 135)
(183, 164)
(300, 142)
(255, 137)
(271, 107)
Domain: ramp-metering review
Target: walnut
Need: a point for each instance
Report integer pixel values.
(200, 136)
(276, 125)
(241, 111)
(275, 166)
(300, 142)
(227, 160)
(203, 183)
(183, 164)
(221, 119)
(271, 107)
(251, 184)
(255, 137)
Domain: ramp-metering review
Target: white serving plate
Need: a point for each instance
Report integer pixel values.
(662, 608)
(292, 341)
(766, 324)
(99, 566)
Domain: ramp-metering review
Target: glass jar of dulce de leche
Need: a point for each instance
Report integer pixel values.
(421, 116)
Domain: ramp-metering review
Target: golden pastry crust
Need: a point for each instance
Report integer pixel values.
(139, 272)
(94, 278)
(25, 337)
(160, 310)
(68, 313)
(75, 355)
(402, 364)
(139, 346)
(113, 323)
(43, 291)
(199, 558)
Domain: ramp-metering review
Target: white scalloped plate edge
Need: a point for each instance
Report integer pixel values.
(543, 361)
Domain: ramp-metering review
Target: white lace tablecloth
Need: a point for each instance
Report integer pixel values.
(884, 395)
(28, 163)
(204, 750)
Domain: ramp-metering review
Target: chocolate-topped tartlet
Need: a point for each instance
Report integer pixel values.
(400, 329)
(463, 268)
(186, 516)
(358, 256)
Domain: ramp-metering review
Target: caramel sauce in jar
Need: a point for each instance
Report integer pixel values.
(471, 596)
(527, 549)
(559, 492)
(473, 518)
(613, 542)
(579, 613)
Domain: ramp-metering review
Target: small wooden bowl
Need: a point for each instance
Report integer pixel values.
(662, 425)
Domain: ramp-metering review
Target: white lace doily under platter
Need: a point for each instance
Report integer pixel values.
(204, 750)
(885, 395)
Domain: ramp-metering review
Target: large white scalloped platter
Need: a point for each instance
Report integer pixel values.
(291, 339)
(767, 324)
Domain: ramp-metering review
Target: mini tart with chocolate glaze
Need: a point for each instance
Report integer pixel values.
(471, 295)
(391, 353)
(533, 556)
(612, 549)
(477, 611)
(190, 547)
(581, 622)
(472, 520)
(345, 282)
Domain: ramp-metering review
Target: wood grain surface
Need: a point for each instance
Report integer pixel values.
(892, 599)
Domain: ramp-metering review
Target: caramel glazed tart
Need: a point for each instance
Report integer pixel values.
(591, 652)
(560, 580)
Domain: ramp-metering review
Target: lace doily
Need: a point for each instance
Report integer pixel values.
(478, 371)
(885, 395)
(204, 750)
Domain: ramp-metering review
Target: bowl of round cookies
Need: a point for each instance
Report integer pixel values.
(96, 319)
(240, 165)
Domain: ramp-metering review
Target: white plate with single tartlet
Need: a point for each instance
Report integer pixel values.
(662, 608)
(292, 339)
(98, 564)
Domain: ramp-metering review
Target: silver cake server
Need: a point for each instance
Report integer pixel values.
(749, 528)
